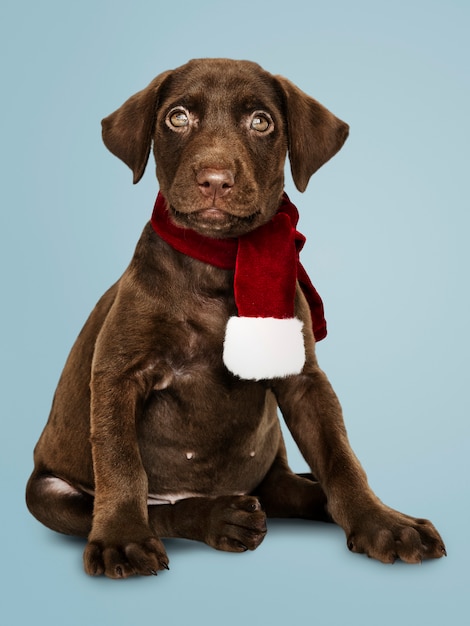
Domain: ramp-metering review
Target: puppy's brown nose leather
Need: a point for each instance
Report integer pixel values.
(215, 183)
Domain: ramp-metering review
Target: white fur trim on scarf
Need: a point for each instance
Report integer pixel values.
(264, 347)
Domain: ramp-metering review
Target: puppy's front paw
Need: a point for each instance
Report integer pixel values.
(126, 558)
(388, 535)
(237, 524)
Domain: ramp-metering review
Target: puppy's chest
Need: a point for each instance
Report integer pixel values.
(196, 318)
(185, 364)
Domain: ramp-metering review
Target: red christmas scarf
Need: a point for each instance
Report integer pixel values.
(265, 340)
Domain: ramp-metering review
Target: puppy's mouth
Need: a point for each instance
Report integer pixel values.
(214, 222)
(212, 215)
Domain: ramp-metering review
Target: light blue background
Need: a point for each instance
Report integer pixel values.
(387, 223)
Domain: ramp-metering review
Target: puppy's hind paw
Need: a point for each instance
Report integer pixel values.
(237, 524)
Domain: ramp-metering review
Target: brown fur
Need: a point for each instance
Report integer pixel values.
(145, 405)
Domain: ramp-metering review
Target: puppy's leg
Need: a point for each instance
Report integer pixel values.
(293, 495)
(58, 505)
(313, 415)
(285, 494)
(230, 523)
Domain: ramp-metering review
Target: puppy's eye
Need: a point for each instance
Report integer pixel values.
(178, 118)
(261, 122)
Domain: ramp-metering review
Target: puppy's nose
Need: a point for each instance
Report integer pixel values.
(215, 183)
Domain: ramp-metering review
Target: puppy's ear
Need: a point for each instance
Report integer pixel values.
(314, 134)
(127, 132)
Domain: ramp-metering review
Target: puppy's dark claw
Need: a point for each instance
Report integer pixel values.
(154, 572)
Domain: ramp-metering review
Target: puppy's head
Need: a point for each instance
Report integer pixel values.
(221, 130)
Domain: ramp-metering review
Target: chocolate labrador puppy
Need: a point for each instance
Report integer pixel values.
(165, 420)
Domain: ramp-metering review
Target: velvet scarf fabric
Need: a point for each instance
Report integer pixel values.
(266, 267)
